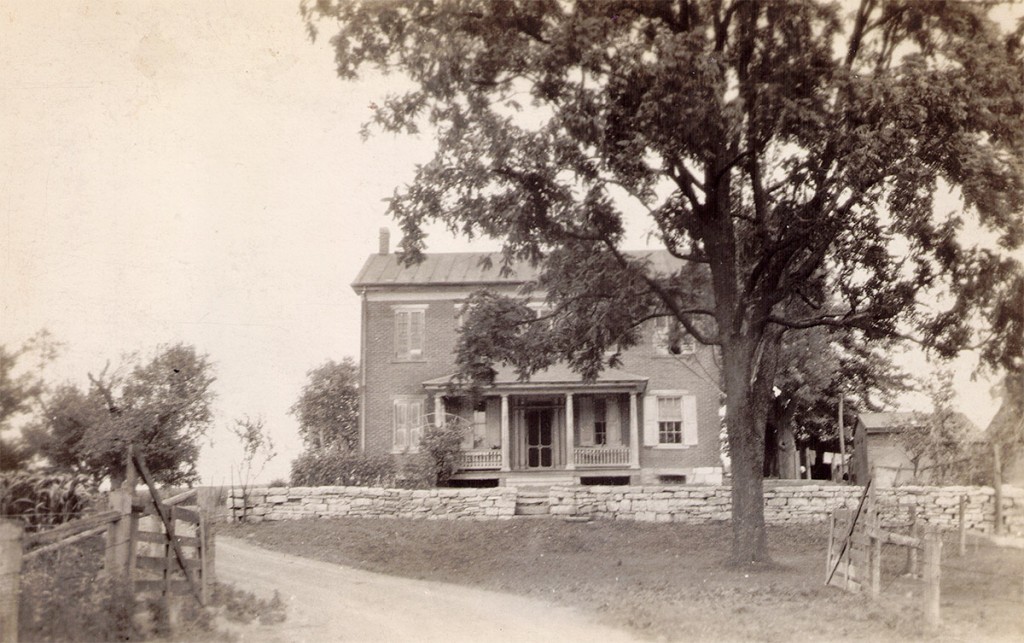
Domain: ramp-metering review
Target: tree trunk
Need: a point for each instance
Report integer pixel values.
(789, 467)
(745, 423)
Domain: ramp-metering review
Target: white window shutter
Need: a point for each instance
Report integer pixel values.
(614, 420)
(402, 334)
(415, 424)
(650, 420)
(585, 420)
(416, 319)
(401, 422)
(690, 419)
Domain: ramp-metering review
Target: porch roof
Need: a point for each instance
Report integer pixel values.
(555, 377)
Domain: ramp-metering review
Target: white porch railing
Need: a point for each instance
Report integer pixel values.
(599, 456)
(482, 459)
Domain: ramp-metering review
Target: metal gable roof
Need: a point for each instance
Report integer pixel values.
(465, 268)
(448, 268)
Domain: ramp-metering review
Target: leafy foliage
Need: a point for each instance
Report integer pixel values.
(342, 467)
(442, 446)
(257, 451)
(21, 393)
(789, 155)
(328, 408)
(816, 367)
(941, 445)
(161, 407)
(44, 499)
(70, 581)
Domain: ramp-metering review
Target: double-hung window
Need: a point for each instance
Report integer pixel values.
(670, 419)
(409, 332)
(408, 423)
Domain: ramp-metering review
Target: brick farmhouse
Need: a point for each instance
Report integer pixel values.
(653, 419)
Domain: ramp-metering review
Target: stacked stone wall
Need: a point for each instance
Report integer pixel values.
(294, 503)
(797, 504)
(692, 504)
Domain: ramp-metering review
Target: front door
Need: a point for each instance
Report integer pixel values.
(538, 439)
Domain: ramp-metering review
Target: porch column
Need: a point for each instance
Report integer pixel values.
(634, 434)
(570, 433)
(438, 410)
(506, 440)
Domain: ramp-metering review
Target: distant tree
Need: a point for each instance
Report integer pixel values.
(816, 367)
(328, 407)
(940, 444)
(1005, 433)
(257, 451)
(21, 393)
(162, 408)
(789, 154)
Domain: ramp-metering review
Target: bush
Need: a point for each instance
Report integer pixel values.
(69, 582)
(44, 499)
(442, 445)
(339, 466)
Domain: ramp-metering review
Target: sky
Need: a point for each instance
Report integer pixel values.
(192, 171)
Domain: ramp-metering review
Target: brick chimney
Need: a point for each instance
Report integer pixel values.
(385, 241)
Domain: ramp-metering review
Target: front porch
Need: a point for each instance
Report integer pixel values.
(552, 423)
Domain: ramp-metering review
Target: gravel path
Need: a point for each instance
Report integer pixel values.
(329, 602)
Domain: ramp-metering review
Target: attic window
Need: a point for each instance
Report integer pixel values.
(670, 338)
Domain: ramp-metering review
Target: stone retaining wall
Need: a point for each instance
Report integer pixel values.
(679, 503)
(788, 504)
(284, 503)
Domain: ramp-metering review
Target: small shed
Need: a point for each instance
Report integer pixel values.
(877, 444)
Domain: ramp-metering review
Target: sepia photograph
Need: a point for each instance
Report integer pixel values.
(511, 320)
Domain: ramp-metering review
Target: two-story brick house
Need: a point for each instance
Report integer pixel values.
(652, 419)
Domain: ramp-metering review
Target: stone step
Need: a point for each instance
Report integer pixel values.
(532, 510)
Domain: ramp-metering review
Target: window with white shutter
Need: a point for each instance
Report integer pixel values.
(670, 419)
(410, 326)
(408, 423)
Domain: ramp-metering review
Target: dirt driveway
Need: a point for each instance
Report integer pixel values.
(329, 602)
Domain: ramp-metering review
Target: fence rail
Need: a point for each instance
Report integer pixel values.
(164, 557)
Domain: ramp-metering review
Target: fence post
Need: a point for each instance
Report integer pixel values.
(10, 578)
(209, 500)
(119, 536)
(932, 576)
(912, 551)
(831, 545)
(963, 526)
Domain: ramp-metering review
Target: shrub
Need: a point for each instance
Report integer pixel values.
(339, 466)
(69, 581)
(44, 499)
(442, 445)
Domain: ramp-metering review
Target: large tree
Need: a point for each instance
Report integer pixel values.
(328, 407)
(161, 408)
(788, 153)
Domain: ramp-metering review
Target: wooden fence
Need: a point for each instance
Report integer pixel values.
(156, 546)
(854, 559)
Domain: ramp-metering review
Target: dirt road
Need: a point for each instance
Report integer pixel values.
(333, 603)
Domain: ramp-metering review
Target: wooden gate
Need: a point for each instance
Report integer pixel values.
(158, 546)
(169, 540)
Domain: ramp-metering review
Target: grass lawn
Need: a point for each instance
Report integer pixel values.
(666, 581)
